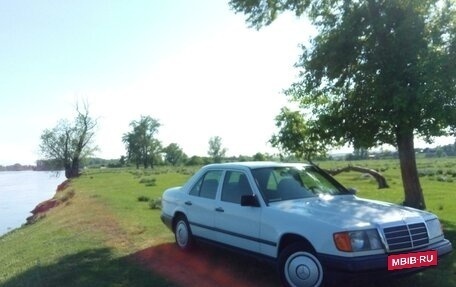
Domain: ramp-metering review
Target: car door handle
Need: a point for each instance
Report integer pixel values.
(219, 209)
(188, 203)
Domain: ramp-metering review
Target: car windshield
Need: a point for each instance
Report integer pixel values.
(285, 183)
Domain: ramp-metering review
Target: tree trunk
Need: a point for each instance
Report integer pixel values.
(68, 171)
(145, 163)
(410, 180)
(72, 170)
(75, 167)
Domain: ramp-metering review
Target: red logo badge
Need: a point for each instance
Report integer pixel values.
(412, 260)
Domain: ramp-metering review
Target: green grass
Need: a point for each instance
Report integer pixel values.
(95, 236)
(88, 241)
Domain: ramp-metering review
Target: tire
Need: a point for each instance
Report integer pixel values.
(183, 234)
(299, 267)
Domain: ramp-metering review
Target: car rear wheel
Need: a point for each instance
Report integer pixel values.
(298, 267)
(183, 234)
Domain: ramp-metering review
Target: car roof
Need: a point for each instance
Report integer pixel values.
(253, 164)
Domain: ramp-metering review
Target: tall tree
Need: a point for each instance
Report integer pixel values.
(259, 157)
(216, 151)
(379, 71)
(70, 142)
(174, 154)
(141, 143)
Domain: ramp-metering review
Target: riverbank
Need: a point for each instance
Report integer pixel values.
(20, 192)
(105, 236)
(62, 194)
(78, 243)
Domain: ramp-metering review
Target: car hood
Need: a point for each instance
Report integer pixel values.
(351, 211)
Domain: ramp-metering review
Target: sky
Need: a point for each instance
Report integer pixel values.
(195, 66)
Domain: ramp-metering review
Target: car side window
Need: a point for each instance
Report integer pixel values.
(207, 185)
(235, 185)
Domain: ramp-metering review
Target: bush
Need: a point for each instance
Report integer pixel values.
(451, 172)
(422, 173)
(148, 181)
(136, 173)
(426, 172)
(143, 198)
(185, 171)
(155, 203)
(441, 178)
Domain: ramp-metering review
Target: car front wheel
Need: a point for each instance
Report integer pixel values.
(183, 234)
(298, 267)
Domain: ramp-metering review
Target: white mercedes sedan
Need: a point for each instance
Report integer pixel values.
(302, 219)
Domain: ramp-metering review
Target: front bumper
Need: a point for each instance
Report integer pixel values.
(377, 264)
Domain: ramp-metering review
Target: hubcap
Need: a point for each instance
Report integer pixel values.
(303, 272)
(181, 234)
(303, 269)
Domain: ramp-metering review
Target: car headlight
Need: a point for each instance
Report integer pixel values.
(360, 240)
(434, 228)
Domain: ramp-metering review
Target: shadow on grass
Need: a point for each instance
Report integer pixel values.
(206, 266)
(96, 267)
(211, 266)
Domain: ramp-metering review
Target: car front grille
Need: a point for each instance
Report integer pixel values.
(405, 237)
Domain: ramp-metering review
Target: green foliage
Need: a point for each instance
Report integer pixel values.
(143, 198)
(378, 72)
(95, 162)
(259, 157)
(195, 160)
(148, 181)
(68, 143)
(261, 12)
(155, 203)
(174, 154)
(141, 144)
(296, 137)
(216, 151)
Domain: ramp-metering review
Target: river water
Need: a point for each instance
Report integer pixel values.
(21, 191)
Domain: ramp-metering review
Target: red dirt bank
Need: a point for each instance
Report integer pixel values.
(202, 268)
(46, 205)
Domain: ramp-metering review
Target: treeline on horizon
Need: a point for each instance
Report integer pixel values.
(360, 154)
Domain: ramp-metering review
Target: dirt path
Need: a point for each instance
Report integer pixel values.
(206, 267)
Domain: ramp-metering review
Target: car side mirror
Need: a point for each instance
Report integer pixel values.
(352, 190)
(249, 200)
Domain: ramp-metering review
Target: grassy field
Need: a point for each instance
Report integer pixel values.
(108, 235)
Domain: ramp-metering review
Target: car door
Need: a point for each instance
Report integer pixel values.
(237, 225)
(201, 204)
